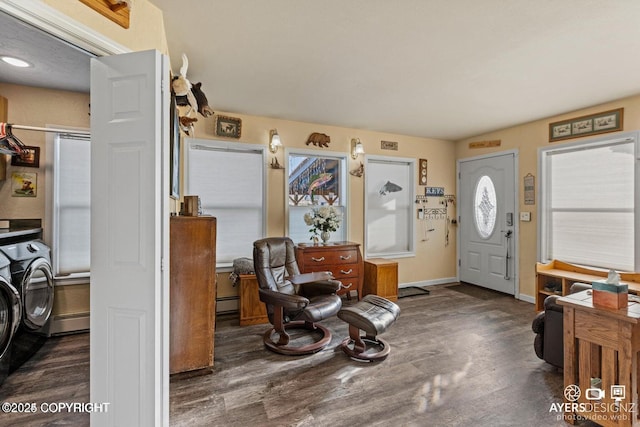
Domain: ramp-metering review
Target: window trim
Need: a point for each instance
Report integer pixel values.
(344, 184)
(543, 174)
(410, 164)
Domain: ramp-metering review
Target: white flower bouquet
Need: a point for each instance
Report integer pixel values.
(323, 220)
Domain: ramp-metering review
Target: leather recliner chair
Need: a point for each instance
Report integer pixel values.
(293, 300)
(548, 326)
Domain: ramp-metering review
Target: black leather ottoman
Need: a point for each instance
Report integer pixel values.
(373, 314)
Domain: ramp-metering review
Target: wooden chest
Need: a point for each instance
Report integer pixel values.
(342, 259)
(381, 278)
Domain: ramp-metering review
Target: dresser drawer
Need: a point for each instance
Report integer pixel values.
(339, 272)
(330, 257)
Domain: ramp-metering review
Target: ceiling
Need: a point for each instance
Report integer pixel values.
(429, 68)
(56, 64)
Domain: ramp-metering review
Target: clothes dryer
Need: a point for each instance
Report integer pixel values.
(31, 275)
(10, 314)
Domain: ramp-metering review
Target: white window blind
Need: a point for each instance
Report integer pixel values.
(71, 205)
(229, 179)
(588, 212)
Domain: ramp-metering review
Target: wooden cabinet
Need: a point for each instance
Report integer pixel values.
(381, 278)
(342, 259)
(556, 278)
(252, 310)
(193, 292)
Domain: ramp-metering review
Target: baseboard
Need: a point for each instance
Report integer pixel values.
(431, 282)
(69, 323)
(527, 298)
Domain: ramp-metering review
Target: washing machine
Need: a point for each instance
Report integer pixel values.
(32, 277)
(10, 314)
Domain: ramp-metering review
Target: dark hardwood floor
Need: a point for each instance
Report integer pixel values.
(461, 356)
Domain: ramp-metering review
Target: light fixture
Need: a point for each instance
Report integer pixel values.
(274, 141)
(16, 62)
(357, 148)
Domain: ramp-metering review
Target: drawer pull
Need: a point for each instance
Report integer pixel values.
(346, 272)
(344, 258)
(346, 287)
(318, 259)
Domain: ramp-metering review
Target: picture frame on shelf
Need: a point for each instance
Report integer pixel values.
(30, 158)
(228, 127)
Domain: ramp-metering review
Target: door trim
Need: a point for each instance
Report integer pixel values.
(54, 22)
(516, 213)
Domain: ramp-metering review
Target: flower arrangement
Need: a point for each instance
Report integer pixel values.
(323, 220)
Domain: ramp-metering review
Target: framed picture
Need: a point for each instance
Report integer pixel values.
(593, 124)
(229, 127)
(24, 184)
(30, 157)
(174, 165)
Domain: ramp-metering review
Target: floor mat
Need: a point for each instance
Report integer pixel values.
(476, 291)
(412, 291)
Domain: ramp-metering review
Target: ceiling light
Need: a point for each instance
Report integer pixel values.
(15, 61)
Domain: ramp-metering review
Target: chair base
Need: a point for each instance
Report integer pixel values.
(359, 352)
(296, 351)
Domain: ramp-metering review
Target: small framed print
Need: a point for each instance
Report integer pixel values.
(24, 184)
(30, 158)
(422, 172)
(229, 127)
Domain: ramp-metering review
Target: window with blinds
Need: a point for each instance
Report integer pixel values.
(588, 195)
(230, 180)
(71, 205)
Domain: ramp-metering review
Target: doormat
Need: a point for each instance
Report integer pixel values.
(412, 291)
(476, 291)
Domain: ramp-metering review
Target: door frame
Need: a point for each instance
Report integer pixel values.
(52, 21)
(516, 213)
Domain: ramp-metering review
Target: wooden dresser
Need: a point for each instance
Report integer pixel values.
(193, 292)
(342, 259)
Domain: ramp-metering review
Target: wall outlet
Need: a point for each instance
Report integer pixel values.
(525, 216)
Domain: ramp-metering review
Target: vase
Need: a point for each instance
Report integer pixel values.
(325, 236)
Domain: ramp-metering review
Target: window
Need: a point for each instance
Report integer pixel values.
(389, 207)
(230, 180)
(315, 180)
(485, 204)
(588, 199)
(71, 205)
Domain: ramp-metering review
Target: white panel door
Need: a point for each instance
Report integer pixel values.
(487, 222)
(129, 239)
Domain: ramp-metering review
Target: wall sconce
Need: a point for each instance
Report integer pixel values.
(357, 148)
(274, 141)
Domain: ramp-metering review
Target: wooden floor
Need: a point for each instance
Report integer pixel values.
(461, 356)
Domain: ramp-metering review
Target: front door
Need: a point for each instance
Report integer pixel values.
(487, 222)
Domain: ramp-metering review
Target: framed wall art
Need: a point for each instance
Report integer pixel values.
(230, 127)
(593, 124)
(24, 184)
(30, 157)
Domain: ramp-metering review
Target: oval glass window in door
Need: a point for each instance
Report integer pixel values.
(485, 207)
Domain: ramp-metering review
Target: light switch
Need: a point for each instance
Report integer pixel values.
(525, 216)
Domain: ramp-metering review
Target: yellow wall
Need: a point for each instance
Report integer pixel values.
(433, 259)
(37, 107)
(146, 27)
(527, 139)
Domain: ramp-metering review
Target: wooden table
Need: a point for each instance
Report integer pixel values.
(601, 343)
